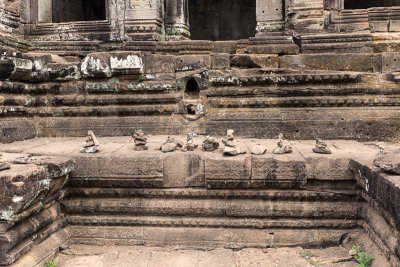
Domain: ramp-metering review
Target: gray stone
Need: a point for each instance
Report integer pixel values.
(210, 144)
(388, 161)
(258, 149)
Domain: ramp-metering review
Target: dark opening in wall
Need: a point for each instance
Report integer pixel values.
(363, 4)
(192, 90)
(222, 19)
(78, 10)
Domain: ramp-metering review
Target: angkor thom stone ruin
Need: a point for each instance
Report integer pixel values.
(187, 71)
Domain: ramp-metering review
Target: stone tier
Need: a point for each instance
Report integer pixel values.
(124, 197)
(335, 95)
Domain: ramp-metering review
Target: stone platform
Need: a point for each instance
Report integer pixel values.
(199, 200)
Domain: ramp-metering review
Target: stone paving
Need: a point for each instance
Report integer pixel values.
(89, 256)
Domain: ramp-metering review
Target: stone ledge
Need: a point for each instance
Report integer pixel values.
(118, 164)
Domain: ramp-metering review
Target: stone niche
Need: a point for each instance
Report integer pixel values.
(222, 19)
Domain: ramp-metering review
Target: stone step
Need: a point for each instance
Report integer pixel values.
(213, 222)
(110, 86)
(321, 101)
(206, 238)
(90, 100)
(98, 111)
(300, 90)
(241, 208)
(268, 78)
(194, 194)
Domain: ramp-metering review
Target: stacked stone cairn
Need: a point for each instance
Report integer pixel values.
(321, 147)
(190, 145)
(140, 140)
(283, 146)
(91, 145)
(232, 147)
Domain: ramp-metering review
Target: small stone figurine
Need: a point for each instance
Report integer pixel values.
(3, 165)
(91, 145)
(190, 145)
(140, 140)
(321, 147)
(232, 148)
(210, 144)
(283, 146)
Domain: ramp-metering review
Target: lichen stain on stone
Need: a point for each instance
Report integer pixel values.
(91, 64)
(7, 215)
(130, 62)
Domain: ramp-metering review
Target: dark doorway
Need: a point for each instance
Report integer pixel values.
(363, 4)
(192, 90)
(222, 19)
(78, 10)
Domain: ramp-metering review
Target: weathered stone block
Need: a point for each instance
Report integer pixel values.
(12, 130)
(64, 71)
(22, 70)
(227, 172)
(254, 61)
(281, 49)
(192, 62)
(342, 62)
(126, 63)
(220, 61)
(224, 47)
(190, 172)
(282, 171)
(96, 65)
(154, 63)
(141, 169)
(22, 186)
(390, 62)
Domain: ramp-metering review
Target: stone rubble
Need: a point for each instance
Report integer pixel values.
(210, 144)
(321, 147)
(91, 145)
(171, 145)
(258, 149)
(283, 146)
(22, 159)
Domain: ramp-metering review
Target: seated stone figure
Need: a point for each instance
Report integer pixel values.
(283, 146)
